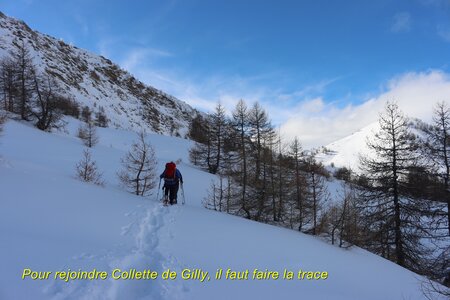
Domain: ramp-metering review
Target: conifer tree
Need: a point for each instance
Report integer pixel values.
(218, 123)
(298, 180)
(438, 148)
(317, 193)
(197, 129)
(87, 132)
(202, 152)
(25, 79)
(260, 130)
(86, 114)
(101, 120)
(139, 167)
(282, 179)
(393, 218)
(240, 123)
(46, 110)
(86, 169)
(8, 86)
(262, 136)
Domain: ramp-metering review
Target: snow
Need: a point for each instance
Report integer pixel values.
(49, 221)
(346, 151)
(111, 88)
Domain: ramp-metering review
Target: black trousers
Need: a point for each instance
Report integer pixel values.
(171, 192)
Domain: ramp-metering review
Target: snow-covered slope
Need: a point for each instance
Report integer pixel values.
(50, 221)
(346, 151)
(95, 81)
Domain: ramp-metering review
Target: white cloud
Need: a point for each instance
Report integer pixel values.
(415, 94)
(136, 56)
(314, 120)
(306, 91)
(200, 93)
(401, 22)
(312, 106)
(302, 113)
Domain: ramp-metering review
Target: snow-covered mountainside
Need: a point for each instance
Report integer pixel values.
(97, 82)
(50, 221)
(346, 151)
(53, 226)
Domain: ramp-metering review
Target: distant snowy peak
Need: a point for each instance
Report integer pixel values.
(346, 151)
(95, 81)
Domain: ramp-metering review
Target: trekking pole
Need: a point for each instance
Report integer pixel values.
(182, 194)
(159, 186)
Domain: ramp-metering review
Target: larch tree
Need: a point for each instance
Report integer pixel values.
(87, 170)
(45, 108)
(394, 218)
(202, 152)
(87, 132)
(138, 175)
(438, 146)
(282, 177)
(240, 123)
(8, 87)
(259, 129)
(25, 79)
(261, 135)
(218, 123)
(298, 182)
(86, 114)
(317, 193)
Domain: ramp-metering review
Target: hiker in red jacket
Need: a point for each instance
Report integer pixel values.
(172, 178)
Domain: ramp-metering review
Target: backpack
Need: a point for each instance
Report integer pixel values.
(170, 171)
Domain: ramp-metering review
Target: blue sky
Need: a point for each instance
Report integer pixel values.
(296, 57)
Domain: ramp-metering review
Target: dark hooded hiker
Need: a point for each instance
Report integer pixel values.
(172, 178)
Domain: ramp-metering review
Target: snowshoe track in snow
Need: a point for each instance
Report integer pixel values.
(151, 231)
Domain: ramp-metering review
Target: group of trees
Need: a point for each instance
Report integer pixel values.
(259, 180)
(30, 95)
(397, 206)
(35, 96)
(138, 174)
(404, 197)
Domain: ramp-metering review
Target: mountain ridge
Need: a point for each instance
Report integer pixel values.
(95, 81)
